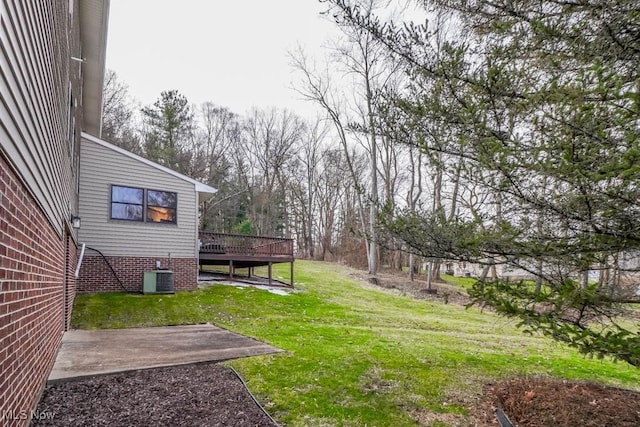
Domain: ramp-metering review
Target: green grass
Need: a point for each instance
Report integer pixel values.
(462, 282)
(357, 355)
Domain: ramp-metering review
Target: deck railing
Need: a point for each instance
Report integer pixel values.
(240, 244)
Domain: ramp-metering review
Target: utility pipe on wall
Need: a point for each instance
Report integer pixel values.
(77, 273)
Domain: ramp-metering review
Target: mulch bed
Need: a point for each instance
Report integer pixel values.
(542, 402)
(187, 395)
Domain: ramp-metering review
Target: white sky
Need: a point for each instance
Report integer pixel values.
(230, 52)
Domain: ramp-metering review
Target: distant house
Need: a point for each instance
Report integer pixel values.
(470, 269)
(52, 58)
(139, 215)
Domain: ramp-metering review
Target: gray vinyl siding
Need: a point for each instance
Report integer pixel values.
(101, 167)
(37, 76)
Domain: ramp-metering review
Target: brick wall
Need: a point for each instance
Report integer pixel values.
(32, 281)
(96, 276)
(70, 280)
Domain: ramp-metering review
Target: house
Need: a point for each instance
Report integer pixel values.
(136, 216)
(52, 56)
(471, 269)
(139, 217)
(77, 213)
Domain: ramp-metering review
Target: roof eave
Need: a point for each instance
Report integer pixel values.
(200, 188)
(94, 18)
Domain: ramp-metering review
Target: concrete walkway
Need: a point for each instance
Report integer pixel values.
(104, 351)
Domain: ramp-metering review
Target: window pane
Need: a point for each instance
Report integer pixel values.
(165, 199)
(158, 214)
(127, 195)
(125, 211)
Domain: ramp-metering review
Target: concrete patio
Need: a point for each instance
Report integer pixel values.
(84, 353)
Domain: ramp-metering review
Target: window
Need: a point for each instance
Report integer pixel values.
(130, 204)
(161, 206)
(127, 203)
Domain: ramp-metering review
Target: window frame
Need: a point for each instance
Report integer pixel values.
(145, 205)
(123, 203)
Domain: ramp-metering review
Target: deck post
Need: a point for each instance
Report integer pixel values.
(231, 269)
(270, 264)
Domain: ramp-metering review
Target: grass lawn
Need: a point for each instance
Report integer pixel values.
(462, 282)
(357, 355)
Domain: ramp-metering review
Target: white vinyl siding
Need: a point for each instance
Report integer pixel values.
(36, 42)
(102, 167)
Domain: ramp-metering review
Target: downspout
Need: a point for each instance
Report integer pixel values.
(77, 273)
(200, 212)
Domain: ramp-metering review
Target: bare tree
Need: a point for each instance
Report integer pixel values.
(319, 88)
(414, 193)
(360, 58)
(270, 139)
(361, 55)
(119, 124)
(305, 187)
(220, 135)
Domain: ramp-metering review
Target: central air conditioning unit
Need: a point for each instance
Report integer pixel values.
(158, 282)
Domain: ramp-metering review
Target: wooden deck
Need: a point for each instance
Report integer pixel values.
(241, 251)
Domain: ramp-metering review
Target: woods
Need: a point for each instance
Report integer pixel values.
(529, 110)
(276, 173)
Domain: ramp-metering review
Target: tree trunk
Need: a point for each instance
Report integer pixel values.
(412, 263)
(373, 211)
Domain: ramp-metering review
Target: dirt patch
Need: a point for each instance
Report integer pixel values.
(440, 291)
(188, 395)
(538, 402)
(373, 382)
(427, 418)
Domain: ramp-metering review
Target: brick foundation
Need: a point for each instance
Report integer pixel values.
(96, 276)
(32, 292)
